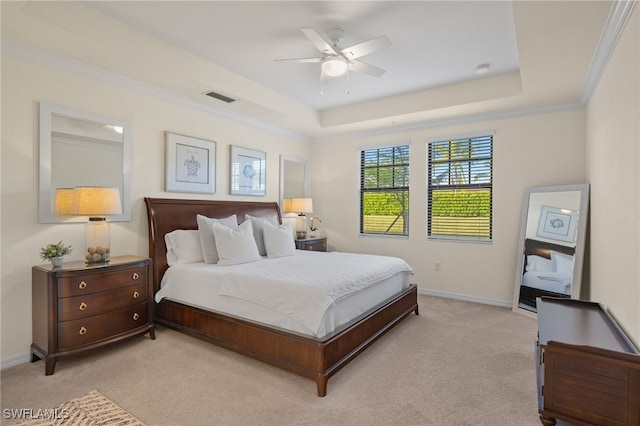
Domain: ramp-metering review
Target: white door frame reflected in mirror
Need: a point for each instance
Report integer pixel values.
(75, 167)
(548, 264)
(293, 178)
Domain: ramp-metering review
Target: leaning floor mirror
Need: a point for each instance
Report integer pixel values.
(551, 245)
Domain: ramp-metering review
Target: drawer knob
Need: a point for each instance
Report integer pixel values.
(82, 331)
(135, 276)
(136, 316)
(83, 306)
(136, 294)
(82, 285)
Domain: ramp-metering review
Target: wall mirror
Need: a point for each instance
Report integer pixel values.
(80, 149)
(551, 245)
(293, 178)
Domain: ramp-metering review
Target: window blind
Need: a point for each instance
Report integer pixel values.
(460, 188)
(384, 190)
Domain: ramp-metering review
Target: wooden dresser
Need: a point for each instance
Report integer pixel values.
(588, 368)
(312, 243)
(78, 307)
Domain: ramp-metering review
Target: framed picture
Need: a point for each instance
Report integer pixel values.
(248, 172)
(557, 224)
(190, 164)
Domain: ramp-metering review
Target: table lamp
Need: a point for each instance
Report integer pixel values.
(301, 206)
(95, 202)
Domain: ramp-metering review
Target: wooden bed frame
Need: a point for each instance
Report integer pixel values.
(316, 359)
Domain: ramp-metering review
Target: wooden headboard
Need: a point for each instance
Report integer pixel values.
(543, 248)
(167, 214)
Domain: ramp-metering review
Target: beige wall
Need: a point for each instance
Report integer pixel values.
(546, 149)
(613, 155)
(23, 86)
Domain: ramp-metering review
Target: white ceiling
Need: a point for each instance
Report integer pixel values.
(539, 54)
(433, 43)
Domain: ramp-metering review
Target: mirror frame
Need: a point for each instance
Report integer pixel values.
(581, 233)
(283, 159)
(45, 213)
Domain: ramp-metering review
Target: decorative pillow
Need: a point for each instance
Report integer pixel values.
(563, 262)
(539, 264)
(278, 240)
(235, 247)
(183, 246)
(208, 239)
(258, 225)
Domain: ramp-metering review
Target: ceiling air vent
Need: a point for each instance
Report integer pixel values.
(220, 97)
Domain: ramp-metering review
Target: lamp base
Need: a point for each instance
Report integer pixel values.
(301, 227)
(97, 241)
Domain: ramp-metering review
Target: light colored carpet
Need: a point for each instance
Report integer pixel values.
(457, 363)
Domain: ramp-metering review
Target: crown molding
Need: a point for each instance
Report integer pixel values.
(617, 20)
(471, 118)
(66, 65)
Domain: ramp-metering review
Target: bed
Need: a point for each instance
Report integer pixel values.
(548, 271)
(315, 357)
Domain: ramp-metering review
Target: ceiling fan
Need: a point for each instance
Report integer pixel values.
(337, 61)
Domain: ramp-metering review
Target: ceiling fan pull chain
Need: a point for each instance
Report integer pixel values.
(321, 81)
(347, 91)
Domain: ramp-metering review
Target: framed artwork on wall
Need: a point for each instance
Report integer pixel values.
(557, 224)
(248, 172)
(190, 164)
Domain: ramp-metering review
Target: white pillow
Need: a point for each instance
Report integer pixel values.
(258, 225)
(539, 264)
(235, 247)
(183, 246)
(563, 262)
(278, 240)
(208, 239)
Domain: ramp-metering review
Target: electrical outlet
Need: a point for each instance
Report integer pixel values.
(437, 266)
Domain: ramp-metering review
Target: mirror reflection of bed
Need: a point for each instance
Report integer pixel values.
(548, 271)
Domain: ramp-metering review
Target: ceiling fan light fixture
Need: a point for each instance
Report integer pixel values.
(334, 66)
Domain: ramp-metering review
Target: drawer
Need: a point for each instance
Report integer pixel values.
(89, 330)
(76, 283)
(319, 245)
(70, 308)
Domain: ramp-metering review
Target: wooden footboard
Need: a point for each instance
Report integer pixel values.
(316, 359)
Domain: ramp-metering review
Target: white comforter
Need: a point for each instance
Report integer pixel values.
(304, 286)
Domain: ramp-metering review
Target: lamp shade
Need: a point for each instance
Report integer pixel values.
(286, 205)
(97, 201)
(302, 205)
(64, 203)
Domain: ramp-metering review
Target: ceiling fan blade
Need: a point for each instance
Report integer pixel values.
(363, 68)
(366, 47)
(300, 60)
(320, 43)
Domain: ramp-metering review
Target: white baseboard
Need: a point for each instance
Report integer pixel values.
(483, 300)
(14, 360)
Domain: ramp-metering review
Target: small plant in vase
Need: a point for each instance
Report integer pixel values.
(54, 253)
(313, 227)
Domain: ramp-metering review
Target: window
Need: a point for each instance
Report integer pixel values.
(384, 191)
(459, 188)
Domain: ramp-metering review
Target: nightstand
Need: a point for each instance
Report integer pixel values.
(312, 243)
(78, 307)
